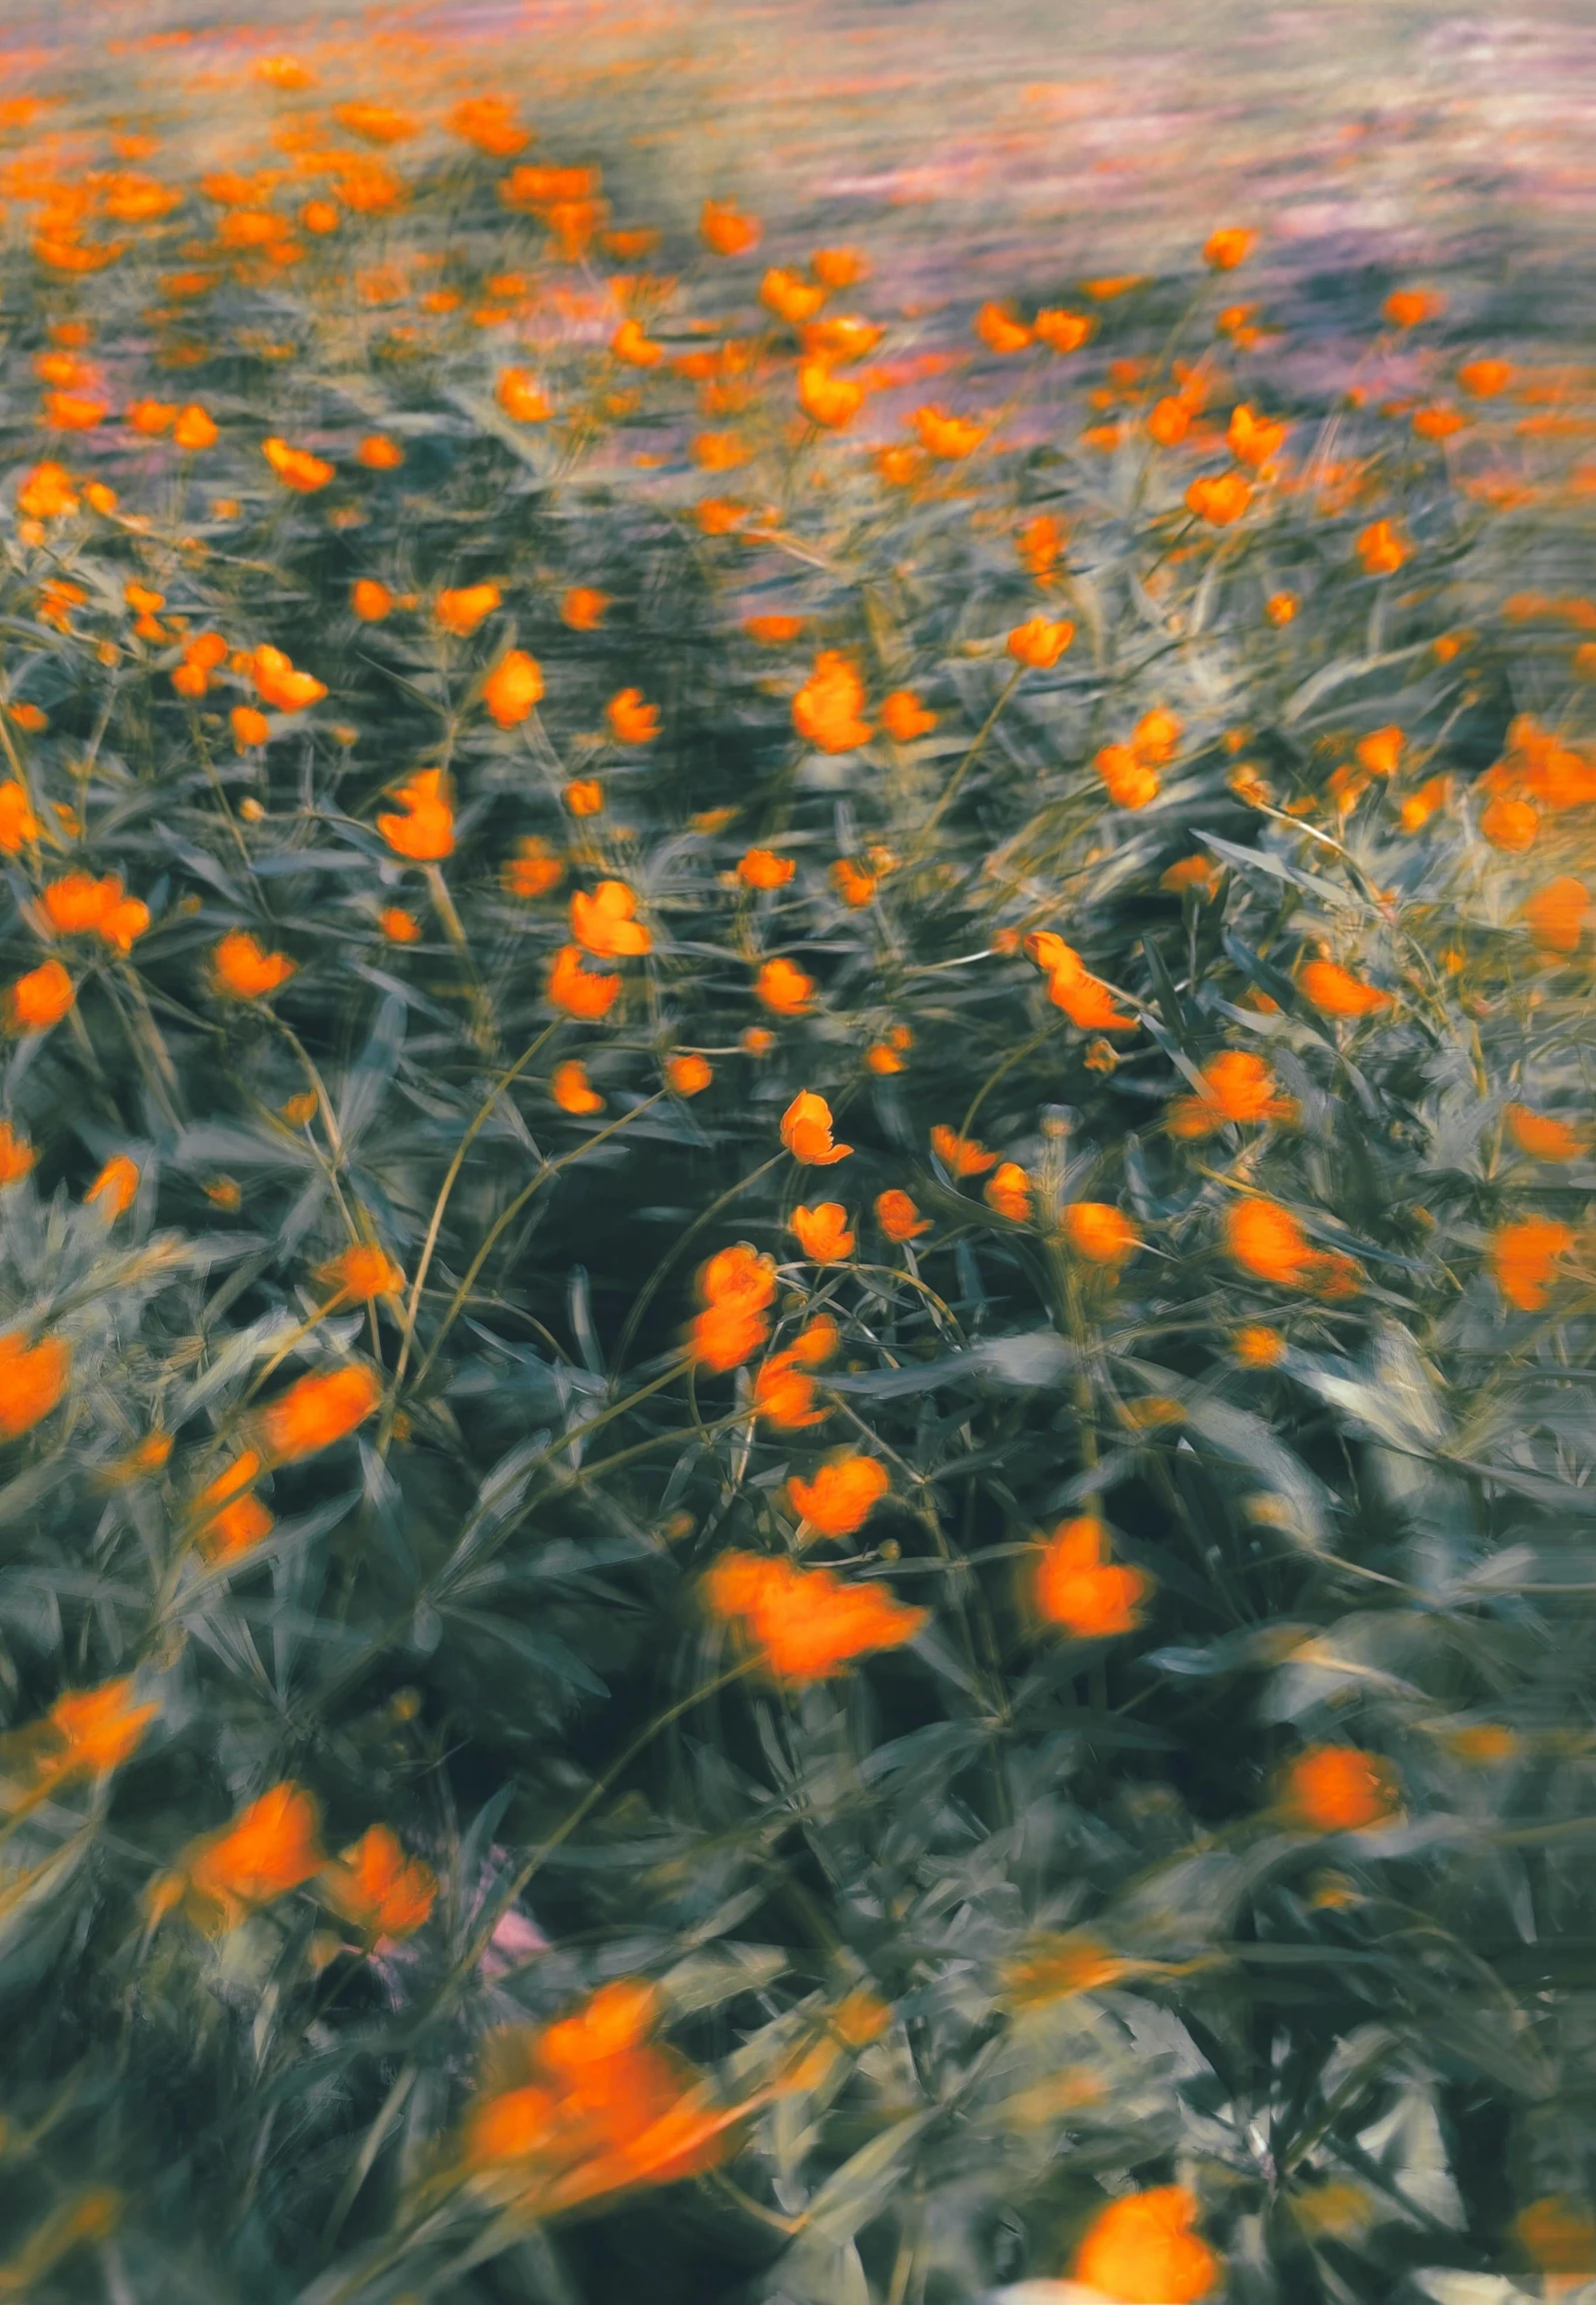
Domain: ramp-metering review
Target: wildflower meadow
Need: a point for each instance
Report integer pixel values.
(796, 1234)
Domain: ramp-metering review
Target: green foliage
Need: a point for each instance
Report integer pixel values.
(954, 1936)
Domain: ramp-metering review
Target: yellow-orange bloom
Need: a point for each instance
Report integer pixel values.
(728, 228)
(17, 1155)
(462, 609)
(380, 453)
(1268, 1241)
(1221, 499)
(842, 1496)
(784, 989)
(822, 1233)
(534, 869)
(370, 600)
(1541, 1135)
(1380, 549)
(47, 493)
(425, 833)
(1558, 2235)
(1336, 992)
(828, 400)
(377, 1888)
(1525, 1258)
(271, 1847)
(602, 923)
(397, 925)
(582, 607)
(1484, 379)
(571, 1091)
(1253, 439)
(805, 1624)
(521, 396)
(897, 1216)
(115, 1186)
(1008, 1192)
(1407, 306)
(18, 823)
(39, 998)
(1141, 2250)
(1085, 999)
(1080, 1588)
(86, 1733)
(1512, 826)
(1258, 1347)
(360, 1272)
(1063, 331)
(297, 467)
(735, 1286)
(1100, 1233)
(1556, 913)
(1237, 1087)
(195, 428)
(806, 1131)
(688, 1075)
(77, 905)
(1131, 783)
(244, 970)
(828, 710)
(632, 722)
(948, 437)
(905, 718)
(580, 991)
(762, 869)
(278, 682)
(1231, 245)
(1338, 1789)
(1040, 641)
(318, 1409)
(32, 1379)
(961, 1156)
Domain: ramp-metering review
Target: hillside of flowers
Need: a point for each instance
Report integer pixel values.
(798, 1287)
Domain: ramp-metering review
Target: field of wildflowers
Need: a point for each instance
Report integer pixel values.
(796, 1223)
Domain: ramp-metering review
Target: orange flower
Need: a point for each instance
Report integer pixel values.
(1078, 1587)
(897, 1216)
(77, 905)
(828, 400)
(823, 1232)
(250, 728)
(960, 1156)
(270, 1848)
(116, 1185)
(318, 1409)
(534, 869)
(1258, 1347)
(762, 869)
(17, 1155)
(1141, 2250)
(425, 833)
(1336, 992)
(839, 267)
(397, 925)
(948, 437)
(1525, 1255)
(842, 1496)
(489, 122)
(1100, 1233)
(380, 453)
(806, 1131)
(1131, 783)
(783, 988)
(1512, 826)
(632, 344)
(1199, 873)
(784, 1396)
(377, 1889)
(828, 710)
(1238, 1088)
(735, 1286)
(602, 923)
(1040, 641)
(521, 396)
(1542, 1136)
(1407, 306)
(853, 883)
(580, 991)
(230, 1518)
(1221, 499)
(462, 609)
(47, 493)
(371, 600)
(806, 1622)
(1556, 913)
(571, 1091)
(1253, 439)
(1085, 999)
(296, 468)
(74, 411)
(583, 797)
(1008, 1192)
(1266, 1240)
(583, 608)
(513, 688)
(1380, 549)
(278, 682)
(1558, 2235)
(1484, 379)
(632, 722)
(688, 1075)
(1231, 245)
(39, 998)
(1000, 330)
(774, 632)
(1338, 1789)
(86, 1733)
(727, 229)
(32, 1378)
(1040, 544)
(360, 1273)
(18, 823)
(1063, 331)
(244, 970)
(1280, 607)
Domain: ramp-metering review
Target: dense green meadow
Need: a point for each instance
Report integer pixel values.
(796, 1174)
